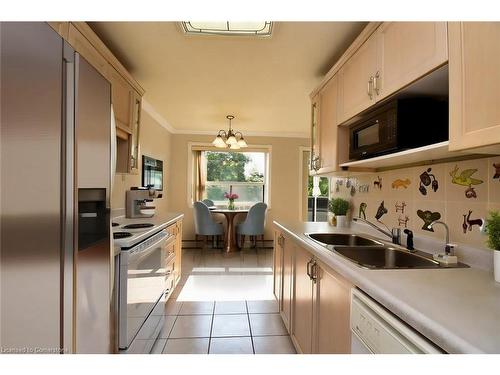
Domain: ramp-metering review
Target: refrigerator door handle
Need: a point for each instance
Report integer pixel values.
(113, 147)
(68, 195)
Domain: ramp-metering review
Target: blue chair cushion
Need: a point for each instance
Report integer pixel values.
(254, 222)
(204, 224)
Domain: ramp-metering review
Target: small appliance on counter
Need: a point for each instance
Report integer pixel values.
(139, 202)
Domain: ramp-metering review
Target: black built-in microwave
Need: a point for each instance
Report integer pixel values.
(399, 125)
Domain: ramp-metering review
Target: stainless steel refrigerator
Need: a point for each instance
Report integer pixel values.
(56, 250)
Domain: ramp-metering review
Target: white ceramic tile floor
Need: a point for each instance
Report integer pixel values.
(197, 308)
(227, 287)
(230, 325)
(172, 307)
(149, 328)
(167, 326)
(243, 319)
(273, 345)
(231, 345)
(230, 307)
(263, 306)
(140, 346)
(187, 346)
(267, 325)
(186, 326)
(158, 346)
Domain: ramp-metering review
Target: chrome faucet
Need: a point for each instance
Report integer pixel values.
(394, 234)
(448, 249)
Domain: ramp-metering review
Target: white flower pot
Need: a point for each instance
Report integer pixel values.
(342, 221)
(331, 218)
(496, 265)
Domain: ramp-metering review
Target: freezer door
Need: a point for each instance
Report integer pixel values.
(93, 260)
(31, 120)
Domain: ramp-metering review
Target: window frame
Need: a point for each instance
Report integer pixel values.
(203, 146)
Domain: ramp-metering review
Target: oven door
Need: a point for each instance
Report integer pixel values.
(143, 276)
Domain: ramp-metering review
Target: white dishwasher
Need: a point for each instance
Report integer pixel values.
(376, 330)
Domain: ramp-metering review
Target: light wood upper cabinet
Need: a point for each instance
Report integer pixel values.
(407, 51)
(302, 303)
(127, 109)
(122, 96)
(395, 55)
(474, 49)
(356, 80)
(82, 45)
(332, 312)
(328, 126)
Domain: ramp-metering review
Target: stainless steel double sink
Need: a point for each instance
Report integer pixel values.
(373, 254)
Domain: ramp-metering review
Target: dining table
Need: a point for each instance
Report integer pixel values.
(230, 244)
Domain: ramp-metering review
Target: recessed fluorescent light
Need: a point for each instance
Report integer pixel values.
(228, 28)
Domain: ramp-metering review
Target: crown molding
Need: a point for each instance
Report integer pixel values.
(248, 133)
(146, 106)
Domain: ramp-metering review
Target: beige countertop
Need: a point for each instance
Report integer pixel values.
(458, 309)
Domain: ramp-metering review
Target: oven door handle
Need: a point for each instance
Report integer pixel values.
(150, 248)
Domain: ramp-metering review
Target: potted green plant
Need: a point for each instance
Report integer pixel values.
(493, 230)
(339, 208)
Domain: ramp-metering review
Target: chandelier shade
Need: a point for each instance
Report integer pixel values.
(231, 139)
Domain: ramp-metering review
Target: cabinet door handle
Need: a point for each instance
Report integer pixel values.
(314, 274)
(375, 83)
(315, 162)
(308, 269)
(370, 88)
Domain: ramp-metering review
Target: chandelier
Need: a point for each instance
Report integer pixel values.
(233, 140)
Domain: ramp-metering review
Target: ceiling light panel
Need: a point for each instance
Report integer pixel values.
(262, 29)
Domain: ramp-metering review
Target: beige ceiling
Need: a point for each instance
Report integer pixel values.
(193, 82)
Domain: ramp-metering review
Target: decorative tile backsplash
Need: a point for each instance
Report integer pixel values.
(459, 193)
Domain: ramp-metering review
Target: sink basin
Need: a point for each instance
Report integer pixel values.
(342, 239)
(373, 254)
(385, 257)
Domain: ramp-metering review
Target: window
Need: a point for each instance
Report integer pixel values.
(317, 198)
(243, 173)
